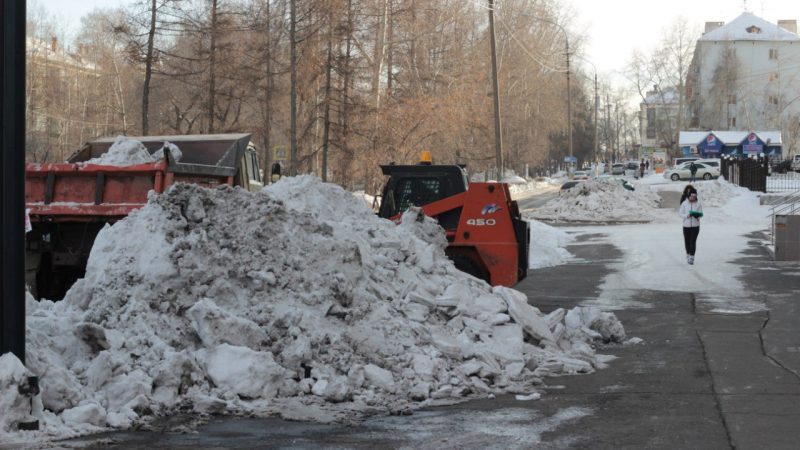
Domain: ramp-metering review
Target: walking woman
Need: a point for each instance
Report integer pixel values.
(691, 211)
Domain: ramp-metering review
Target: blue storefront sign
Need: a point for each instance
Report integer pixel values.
(710, 147)
(752, 145)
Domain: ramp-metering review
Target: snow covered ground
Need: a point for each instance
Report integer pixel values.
(296, 301)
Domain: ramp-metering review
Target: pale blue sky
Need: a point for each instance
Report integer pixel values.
(614, 27)
(69, 12)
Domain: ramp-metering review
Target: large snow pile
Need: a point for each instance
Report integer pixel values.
(128, 152)
(547, 245)
(601, 201)
(717, 192)
(296, 301)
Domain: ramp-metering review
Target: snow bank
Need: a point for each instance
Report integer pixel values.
(296, 301)
(717, 192)
(601, 201)
(547, 245)
(128, 152)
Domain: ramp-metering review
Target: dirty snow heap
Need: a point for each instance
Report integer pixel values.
(601, 200)
(296, 301)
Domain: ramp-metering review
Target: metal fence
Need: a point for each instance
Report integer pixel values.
(782, 178)
(751, 173)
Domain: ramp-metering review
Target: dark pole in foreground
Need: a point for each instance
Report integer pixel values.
(498, 138)
(12, 185)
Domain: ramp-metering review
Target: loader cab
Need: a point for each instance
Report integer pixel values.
(418, 185)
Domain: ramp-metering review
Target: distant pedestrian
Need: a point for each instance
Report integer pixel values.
(691, 211)
(647, 165)
(641, 169)
(693, 170)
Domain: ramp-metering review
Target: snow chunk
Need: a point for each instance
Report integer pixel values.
(14, 406)
(244, 372)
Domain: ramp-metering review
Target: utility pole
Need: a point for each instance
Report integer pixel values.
(569, 99)
(609, 142)
(12, 183)
(498, 138)
(293, 88)
(596, 101)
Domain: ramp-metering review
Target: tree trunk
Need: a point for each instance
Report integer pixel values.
(327, 115)
(347, 155)
(212, 89)
(148, 68)
(389, 37)
(268, 98)
(293, 87)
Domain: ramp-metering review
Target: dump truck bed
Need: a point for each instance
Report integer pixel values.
(81, 191)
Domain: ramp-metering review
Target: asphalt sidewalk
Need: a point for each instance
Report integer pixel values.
(702, 378)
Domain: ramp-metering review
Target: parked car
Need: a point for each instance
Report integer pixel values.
(632, 169)
(618, 169)
(781, 167)
(796, 163)
(685, 159)
(569, 185)
(709, 162)
(683, 172)
(713, 162)
(580, 175)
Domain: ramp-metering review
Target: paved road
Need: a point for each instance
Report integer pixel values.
(702, 379)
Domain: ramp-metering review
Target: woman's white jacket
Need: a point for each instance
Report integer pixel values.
(683, 211)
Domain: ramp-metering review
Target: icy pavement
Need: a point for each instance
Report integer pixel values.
(296, 301)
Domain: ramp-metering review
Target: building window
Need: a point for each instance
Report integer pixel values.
(773, 53)
(731, 122)
(732, 99)
(753, 29)
(773, 100)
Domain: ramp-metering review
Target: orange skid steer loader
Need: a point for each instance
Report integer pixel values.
(486, 236)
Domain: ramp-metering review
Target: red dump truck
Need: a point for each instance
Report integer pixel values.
(68, 203)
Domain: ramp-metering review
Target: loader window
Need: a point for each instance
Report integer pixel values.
(416, 192)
